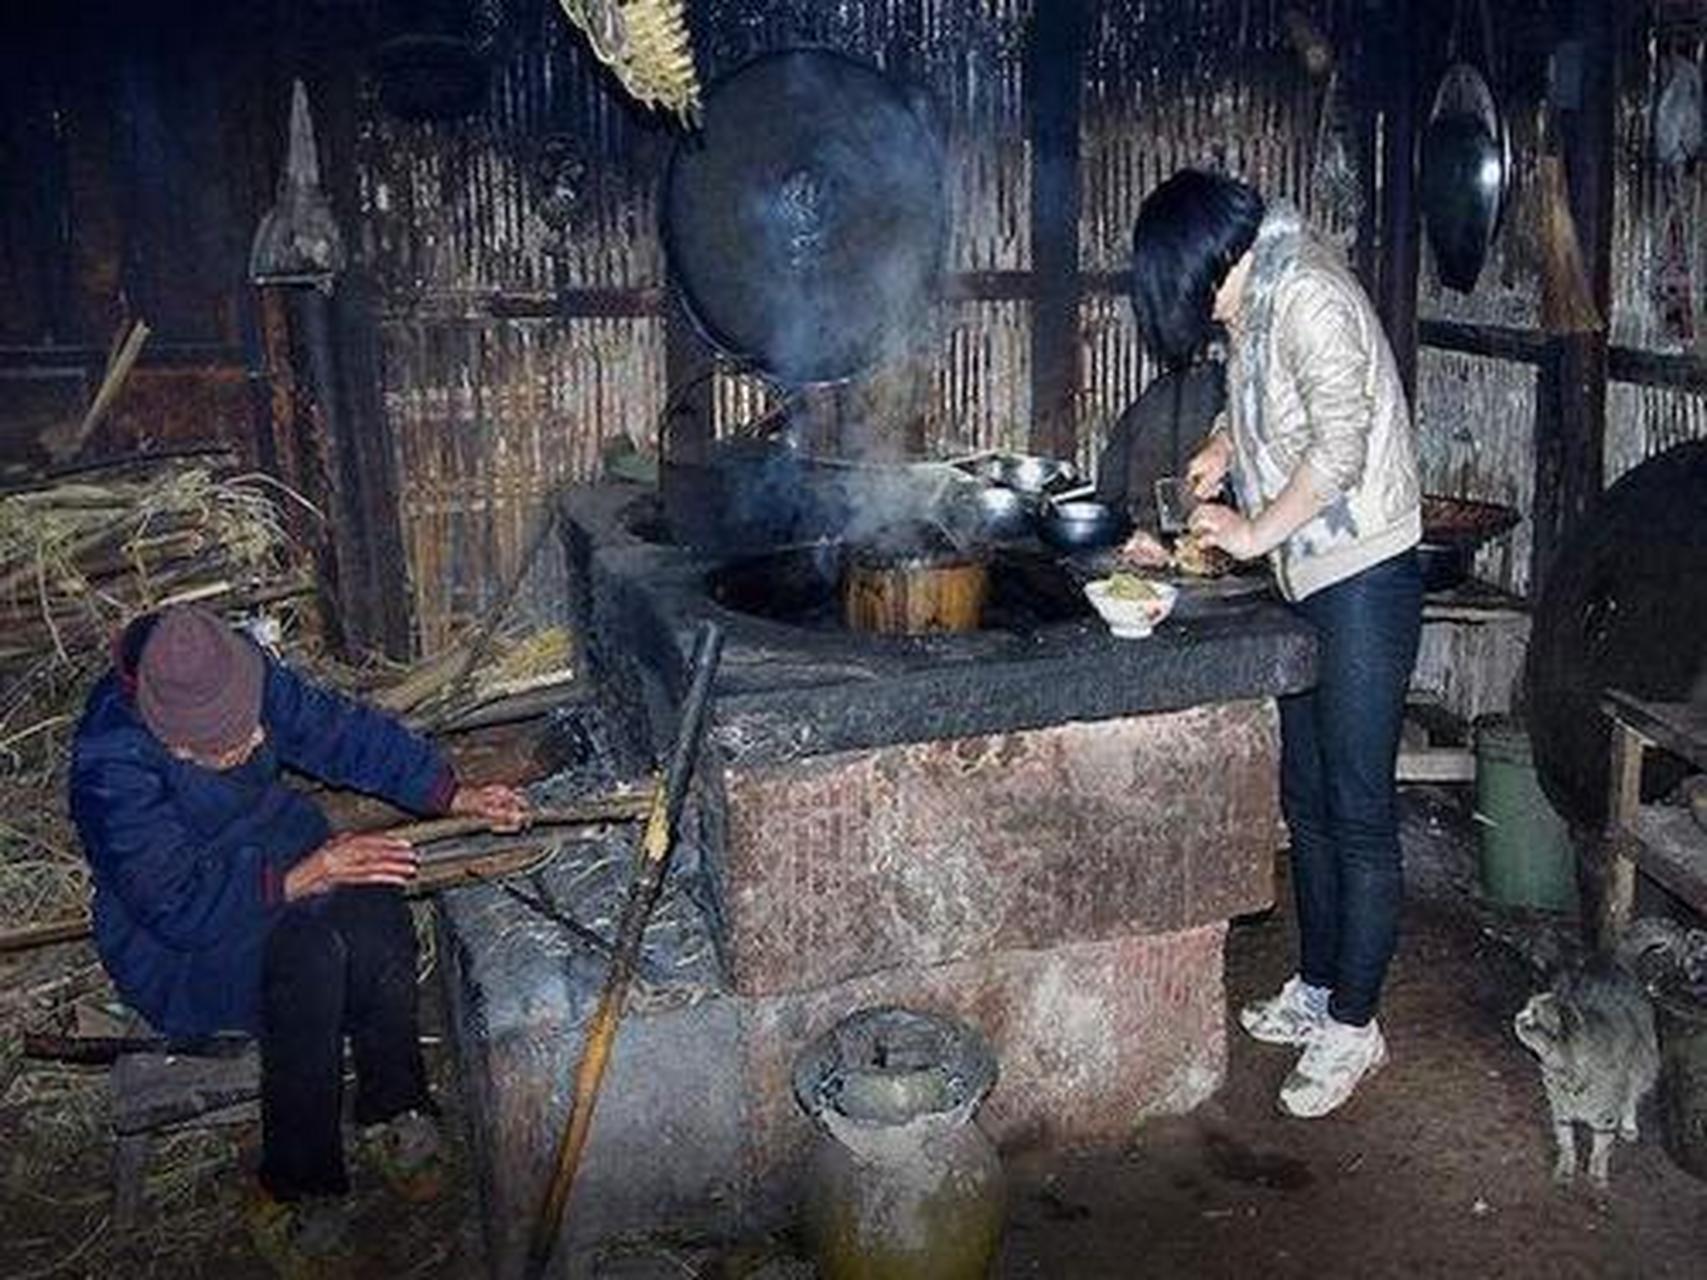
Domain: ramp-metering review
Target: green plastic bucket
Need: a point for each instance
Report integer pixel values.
(1682, 1026)
(1524, 847)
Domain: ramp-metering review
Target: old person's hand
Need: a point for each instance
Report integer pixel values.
(1208, 468)
(354, 857)
(504, 807)
(1220, 526)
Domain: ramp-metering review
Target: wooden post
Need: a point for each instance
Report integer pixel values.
(1570, 402)
(1397, 93)
(685, 434)
(1054, 72)
(1618, 888)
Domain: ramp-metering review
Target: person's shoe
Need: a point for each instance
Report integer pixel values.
(302, 1239)
(1293, 1015)
(409, 1155)
(1335, 1060)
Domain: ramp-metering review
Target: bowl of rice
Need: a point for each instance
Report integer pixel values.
(1131, 605)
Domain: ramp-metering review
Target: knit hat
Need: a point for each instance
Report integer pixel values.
(198, 684)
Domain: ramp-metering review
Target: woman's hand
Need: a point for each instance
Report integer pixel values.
(1144, 551)
(1208, 468)
(504, 807)
(354, 857)
(1220, 526)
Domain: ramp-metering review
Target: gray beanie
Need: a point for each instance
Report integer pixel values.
(199, 684)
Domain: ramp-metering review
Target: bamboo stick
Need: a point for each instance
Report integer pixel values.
(656, 847)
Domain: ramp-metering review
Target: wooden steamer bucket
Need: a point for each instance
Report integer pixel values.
(914, 592)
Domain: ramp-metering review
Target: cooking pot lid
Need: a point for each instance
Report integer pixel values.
(804, 224)
(1466, 175)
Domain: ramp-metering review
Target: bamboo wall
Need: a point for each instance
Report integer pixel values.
(494, 396)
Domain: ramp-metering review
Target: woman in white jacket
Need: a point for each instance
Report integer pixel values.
(1318, 441)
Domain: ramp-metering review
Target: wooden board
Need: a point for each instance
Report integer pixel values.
(1670, 846)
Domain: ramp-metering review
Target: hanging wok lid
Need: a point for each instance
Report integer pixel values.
(1466, 175)
(805, 223)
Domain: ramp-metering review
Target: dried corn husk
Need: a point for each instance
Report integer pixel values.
(645, 44)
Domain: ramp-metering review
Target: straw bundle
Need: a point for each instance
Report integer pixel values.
(79, 558)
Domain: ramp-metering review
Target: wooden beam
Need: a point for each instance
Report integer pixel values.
(1680, 371)
(1054, 72)
(1490, 341)
(1683, 372)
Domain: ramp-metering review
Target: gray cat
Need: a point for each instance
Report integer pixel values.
(1593, 1032)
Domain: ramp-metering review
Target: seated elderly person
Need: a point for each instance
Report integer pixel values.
(223, 900)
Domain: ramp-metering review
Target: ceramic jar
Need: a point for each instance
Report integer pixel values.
(902, 1185)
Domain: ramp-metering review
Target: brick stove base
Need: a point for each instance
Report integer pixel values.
(696, 1130)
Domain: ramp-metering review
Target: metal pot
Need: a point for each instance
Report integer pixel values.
(1028, 473)
(1082, 525)
(1003, 513)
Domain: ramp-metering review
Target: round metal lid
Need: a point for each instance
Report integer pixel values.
(804, 224)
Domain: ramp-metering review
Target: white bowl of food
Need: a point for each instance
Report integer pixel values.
(1131, 605)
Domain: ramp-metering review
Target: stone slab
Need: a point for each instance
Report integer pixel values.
(925, 853)
(1090, 1039)
(696, 1127)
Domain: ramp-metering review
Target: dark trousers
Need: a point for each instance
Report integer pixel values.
(343, 964)
(1339, 746)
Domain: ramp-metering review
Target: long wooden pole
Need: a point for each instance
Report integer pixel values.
(656, 846)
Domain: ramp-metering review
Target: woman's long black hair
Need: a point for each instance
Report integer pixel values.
(1189, 233)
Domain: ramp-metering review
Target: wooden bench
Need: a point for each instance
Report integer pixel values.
(155, 1093)
(1663, 841)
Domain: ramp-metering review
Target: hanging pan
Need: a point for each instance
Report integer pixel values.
(805, 223)
(1466, 175)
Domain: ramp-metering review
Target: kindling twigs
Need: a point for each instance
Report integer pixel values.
(656, 847)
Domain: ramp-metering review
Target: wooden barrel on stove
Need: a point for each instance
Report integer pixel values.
(914, 594)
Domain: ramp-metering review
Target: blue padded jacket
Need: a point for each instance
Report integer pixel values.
(189, 862)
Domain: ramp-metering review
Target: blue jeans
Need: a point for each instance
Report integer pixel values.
(1339, 746)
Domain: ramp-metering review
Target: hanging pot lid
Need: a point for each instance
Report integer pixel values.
(805, 223)
(1466, 175)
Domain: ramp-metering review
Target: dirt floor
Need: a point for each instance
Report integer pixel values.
(1440, 1166)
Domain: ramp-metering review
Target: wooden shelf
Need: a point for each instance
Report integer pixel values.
(1663, 841)
(1679, 727)
(1473, 601)
(1671, 846)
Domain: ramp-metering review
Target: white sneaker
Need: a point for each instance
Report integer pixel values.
(1329, 1069)
(1290, 1016)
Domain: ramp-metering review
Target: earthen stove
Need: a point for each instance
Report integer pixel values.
(1035, 827)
